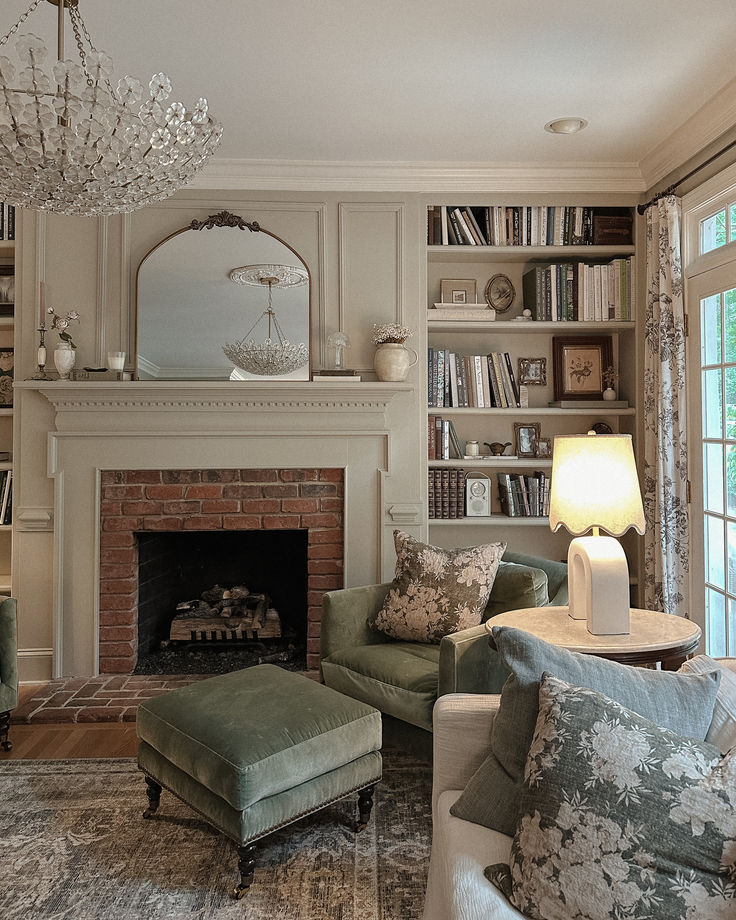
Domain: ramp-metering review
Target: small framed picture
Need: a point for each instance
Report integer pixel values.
(579, 363)
(458, 291)
(544, 447)
(533, 371)
(526, 438)
(7, 361)
(7, 290)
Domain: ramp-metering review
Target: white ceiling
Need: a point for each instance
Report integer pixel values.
(469, 83)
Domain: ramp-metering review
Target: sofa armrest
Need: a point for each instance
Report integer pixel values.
(9, 648)
(461, 740)
(729, 663)
(345, 618)
(468, 664)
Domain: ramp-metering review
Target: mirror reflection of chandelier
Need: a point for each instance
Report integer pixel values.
(271, 358)
(73, 143)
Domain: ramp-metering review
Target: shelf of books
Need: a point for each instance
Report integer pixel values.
(8, 257)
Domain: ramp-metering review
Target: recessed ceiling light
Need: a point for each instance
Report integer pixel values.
(565, 125)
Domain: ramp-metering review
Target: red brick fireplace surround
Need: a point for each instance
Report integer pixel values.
(221, 499)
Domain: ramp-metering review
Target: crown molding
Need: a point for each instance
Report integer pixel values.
(431, 177)
(710, 122)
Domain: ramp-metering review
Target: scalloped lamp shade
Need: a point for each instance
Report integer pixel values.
(595, 486)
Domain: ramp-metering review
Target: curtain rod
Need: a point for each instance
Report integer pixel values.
(641, 208)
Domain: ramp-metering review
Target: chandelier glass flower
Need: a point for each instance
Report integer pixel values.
(74, 144)
(270, 358)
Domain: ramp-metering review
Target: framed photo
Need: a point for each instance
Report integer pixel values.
(7, 361)
(7, 290)
(458, 291)
(526, 438)
(533, 371)
(579, 363)
(544, 447)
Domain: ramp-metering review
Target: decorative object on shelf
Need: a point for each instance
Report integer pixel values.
(392, 359)
(7, 361)
(526, 436)
(65, 351)
(500, 293)
(116, 360)
(595, 485)
(544, 447)
(339, 341)
(609, 379)
(270, 358)
(477, 494)
(533, 371)
(497, 448)
(601, 428)
(476, 312)
(472, 449)
(459, 291)
(41, 355)
(578, 365)
(64, 358)
(86, 147)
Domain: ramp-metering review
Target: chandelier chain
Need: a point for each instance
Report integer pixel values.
(14, 29)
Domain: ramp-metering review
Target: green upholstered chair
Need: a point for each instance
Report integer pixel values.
(403, 679)
(8, 667)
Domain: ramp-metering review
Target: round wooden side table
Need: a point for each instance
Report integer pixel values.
(653, 637)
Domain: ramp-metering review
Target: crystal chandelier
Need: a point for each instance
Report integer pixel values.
(72, 143)
(268, 358)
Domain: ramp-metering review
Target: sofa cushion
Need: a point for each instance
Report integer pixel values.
(681, 702)
(517, 586)
(620, 817)
(722, 731)
(437, 591)
(399, 678)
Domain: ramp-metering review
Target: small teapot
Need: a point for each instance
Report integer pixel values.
(496, 448)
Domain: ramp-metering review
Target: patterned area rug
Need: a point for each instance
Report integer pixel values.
(74, 845)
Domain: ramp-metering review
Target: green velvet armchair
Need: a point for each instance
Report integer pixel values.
(8, 667)
(403, 679)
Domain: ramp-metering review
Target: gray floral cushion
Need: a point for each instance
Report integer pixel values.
(620, 818)
(436, 591)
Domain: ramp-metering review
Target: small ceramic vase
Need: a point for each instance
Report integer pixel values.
(609, 393)
(392, 361)
(64, 357)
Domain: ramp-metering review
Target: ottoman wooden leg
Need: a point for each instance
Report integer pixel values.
(365, 804)
(246, 867)
(153, 791)
(4, 729)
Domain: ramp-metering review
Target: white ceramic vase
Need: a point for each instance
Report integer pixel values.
(64, 357)
(609, 393)
(392, 361)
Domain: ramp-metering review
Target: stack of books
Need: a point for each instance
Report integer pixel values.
(6, 502)
(524, 495)
(442, 440)
(580, 291)
(7, 221)
(471, 381)
(446, 493)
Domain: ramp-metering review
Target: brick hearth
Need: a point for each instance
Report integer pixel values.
(220, 499)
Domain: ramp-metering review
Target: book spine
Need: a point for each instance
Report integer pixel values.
(495, 395)
(478, 378)
(503, 401)
(460, 512)
(445, 439)
(431, 440)
(430, 377)
(454, 441)
(444, 238)
(430, 493)
(445, 493)
(440, 392)
(512, 379)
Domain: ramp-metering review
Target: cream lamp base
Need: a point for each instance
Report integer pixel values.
(598, 578)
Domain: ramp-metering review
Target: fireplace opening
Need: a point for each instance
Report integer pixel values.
(217, 601)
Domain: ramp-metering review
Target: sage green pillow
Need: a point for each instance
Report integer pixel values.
(682, 703)
(620, 818)
(517, 586)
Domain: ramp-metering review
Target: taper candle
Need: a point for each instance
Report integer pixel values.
(43, 304)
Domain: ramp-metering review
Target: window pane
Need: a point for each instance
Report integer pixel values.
(732, 223)
(729, 301)
(712, 406)
(713, 477)
(713, 231)
(730, 480)
(730, 402)
(715, 623)
(710, 337)
(731, 528)
(714, 551)
(731, 626)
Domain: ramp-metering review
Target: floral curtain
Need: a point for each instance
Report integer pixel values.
(666, 541)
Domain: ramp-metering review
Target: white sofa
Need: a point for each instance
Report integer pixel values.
(456, 887)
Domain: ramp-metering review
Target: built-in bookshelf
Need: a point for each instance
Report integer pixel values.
(7, 366)
(572, 273)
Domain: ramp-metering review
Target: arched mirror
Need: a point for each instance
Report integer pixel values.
(222, 299)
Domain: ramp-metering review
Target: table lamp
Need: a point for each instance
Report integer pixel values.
(595, 486)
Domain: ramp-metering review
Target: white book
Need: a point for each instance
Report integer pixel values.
(478, 372)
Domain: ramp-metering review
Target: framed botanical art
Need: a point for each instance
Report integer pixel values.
(7, 361)
(579, 362)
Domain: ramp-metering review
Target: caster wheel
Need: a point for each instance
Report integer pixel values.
(239, 892)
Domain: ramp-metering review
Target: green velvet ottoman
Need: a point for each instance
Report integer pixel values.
(256, 749)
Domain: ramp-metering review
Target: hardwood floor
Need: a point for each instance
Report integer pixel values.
(64, 740)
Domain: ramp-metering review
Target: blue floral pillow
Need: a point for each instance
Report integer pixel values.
(620, 818)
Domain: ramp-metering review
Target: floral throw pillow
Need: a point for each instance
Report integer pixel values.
(436, 591)
(620, 818)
